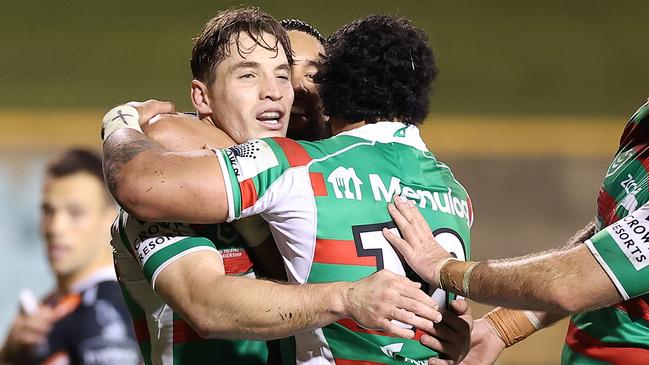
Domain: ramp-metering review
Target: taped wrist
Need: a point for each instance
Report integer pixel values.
(454, 276)
(123, 116)
(512, 326)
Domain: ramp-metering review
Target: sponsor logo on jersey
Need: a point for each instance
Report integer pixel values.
(632, 236)
(631, 188)
(346, 183)
(444, 202)
(619, 162)
(152, 237)
(251, 158)
(393, 349)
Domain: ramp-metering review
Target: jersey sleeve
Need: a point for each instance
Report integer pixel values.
(249, 171)
(622, 249)
(155, 245)
(636, 129)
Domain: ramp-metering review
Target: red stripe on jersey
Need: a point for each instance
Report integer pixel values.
(318, 184)
(183, 333)
(606, 207)
(141, 330)
(351, 325)
(236, 261)
(470, 206)
(636, 307)
(340, 252)
(248, 193)
(295, 153)
(614, 353)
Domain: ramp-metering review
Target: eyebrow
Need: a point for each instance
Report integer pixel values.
(253, 64)
(243, 64)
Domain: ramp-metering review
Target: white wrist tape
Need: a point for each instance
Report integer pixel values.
(123, 116)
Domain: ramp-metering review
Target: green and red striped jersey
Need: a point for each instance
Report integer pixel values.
(141, 251)
(326, 204)
(619, 334)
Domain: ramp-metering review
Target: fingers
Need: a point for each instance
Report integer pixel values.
(399, 243)
(151, 107)
(402, 222)
(445, 348)
(396, 330)
(409, 318)
(460, 307)
(413, 216)
(437, 361)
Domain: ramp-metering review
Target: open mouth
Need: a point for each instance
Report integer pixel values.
(271, 119)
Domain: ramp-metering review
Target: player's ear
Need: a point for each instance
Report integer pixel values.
(200, 101)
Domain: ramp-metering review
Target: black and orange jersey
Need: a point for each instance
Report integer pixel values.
(94, 327)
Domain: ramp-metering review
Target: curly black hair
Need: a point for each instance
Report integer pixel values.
(302, 26)
(377, 68)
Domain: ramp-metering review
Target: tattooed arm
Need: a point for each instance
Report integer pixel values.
(155, 184)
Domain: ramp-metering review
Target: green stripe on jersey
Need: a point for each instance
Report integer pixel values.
(167, 253)
(614, 326)
(234, 183)
(325, 273)
(137, 313)
(350, 345)
(221, 352)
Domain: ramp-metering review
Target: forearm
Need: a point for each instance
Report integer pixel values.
(243, 308)
(154, 184)
(185, 133)
(552, 281)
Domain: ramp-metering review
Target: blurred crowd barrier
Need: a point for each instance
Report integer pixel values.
(533, 182)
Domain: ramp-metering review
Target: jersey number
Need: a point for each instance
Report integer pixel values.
(370, 242)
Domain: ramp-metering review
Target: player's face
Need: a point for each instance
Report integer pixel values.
(252, 95)
(75, 221)
(307, 119)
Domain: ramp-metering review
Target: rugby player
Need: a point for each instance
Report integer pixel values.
(84, 319)
(307, 120)
(241, 66)
(603, 277)
(320, 198)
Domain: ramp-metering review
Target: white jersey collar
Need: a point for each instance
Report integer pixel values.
(105, 274)
(389, 132)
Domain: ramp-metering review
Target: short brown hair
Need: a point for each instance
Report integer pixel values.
(213, 43)
(78, 160)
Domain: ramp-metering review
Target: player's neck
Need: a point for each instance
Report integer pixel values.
(207, 119)
(66, 282)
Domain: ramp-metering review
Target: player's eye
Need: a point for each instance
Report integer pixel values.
(247, 76)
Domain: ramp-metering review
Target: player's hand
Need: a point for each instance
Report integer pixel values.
(28, 331)
(452, 336)
(418, 247)
(150, 108)
(375, 301)
(486, 346)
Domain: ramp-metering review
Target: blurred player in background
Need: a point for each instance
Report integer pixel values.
(84, 319)
(173, 272)
(605, 277)
(374, 106)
